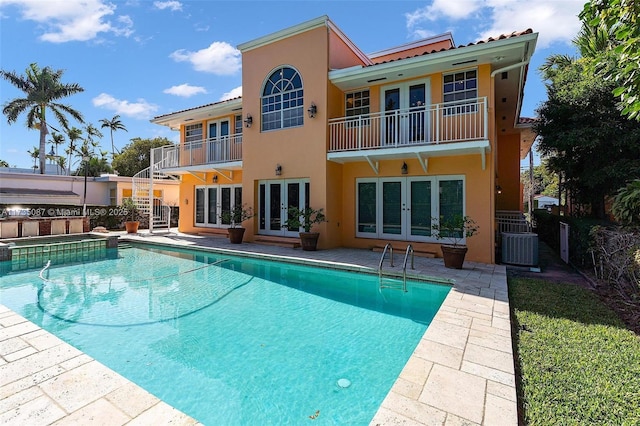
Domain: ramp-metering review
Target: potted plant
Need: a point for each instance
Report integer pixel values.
(132, 221)
(305, 218)
(234, 218)
(454, 229)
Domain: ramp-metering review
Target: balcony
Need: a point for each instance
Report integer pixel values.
(223, 151)
(454, 128)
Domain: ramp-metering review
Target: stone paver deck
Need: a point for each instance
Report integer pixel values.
(461, 372)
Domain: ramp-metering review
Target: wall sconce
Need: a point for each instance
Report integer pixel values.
(215, 178)
(186, 201)
(498, 189)
(313, 110)
(404, 169)
(248, 121)
(278, 169)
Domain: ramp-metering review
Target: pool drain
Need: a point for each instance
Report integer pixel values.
(344, 383)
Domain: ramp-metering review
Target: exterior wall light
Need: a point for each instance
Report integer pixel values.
(404, 169)
(313, 110)
(498, 189)
(215, 178)
(248, 121)
(278, 169)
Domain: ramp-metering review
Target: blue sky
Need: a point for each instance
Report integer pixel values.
(144, 58)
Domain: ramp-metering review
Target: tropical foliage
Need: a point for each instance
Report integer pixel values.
(135, 155)
(619, 20)
(587, 142)
(42, 89)
(626, 204)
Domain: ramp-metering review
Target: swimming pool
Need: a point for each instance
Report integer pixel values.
(232, 340)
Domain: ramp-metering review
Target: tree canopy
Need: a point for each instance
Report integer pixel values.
(583, 135)
(42, 89)
(620, 21)
(135, 155)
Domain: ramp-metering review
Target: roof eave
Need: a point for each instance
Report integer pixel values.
(181, 117)
(435, 58)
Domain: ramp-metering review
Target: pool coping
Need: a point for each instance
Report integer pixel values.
(461, 372)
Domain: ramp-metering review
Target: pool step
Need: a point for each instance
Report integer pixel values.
(400, 248)
(277, 241)
(392, 283)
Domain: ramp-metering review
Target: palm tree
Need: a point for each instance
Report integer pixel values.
(34, 153)
(91, 132)
(73, 134)
(56, 139)
(42, 88)
(114, 125)
(62, 163)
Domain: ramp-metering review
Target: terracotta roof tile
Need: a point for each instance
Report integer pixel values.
(488, 40)
(527, 120)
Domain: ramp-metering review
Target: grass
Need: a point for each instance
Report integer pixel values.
(577, 362)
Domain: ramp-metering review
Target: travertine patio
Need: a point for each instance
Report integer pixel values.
(461, 372)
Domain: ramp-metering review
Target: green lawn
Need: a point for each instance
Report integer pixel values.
(578, 364)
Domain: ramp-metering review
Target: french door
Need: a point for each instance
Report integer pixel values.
(405, 120)
(399, 208)
(274, 199)
(213, 201)
(218, 132)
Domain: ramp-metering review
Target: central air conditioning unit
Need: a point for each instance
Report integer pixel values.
(520, 248)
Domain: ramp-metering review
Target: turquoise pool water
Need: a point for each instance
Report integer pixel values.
(231, 340)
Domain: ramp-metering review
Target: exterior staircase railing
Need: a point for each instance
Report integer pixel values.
(142, 195)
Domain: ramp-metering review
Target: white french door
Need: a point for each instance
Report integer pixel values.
(212, 201)
(405, 118)
(404, 208)
(274, 199)
(218, 132)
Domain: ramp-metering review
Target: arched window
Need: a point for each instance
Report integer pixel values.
(282, 100)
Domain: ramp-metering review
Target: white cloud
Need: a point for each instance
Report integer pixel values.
(233, 93)
(219, 58)
(555, 21)
(184, 90)
(172, 5)
(444, 8)
(73, 20)
(140, 109)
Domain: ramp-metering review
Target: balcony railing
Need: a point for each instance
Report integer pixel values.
(432, 124)
(223, 149)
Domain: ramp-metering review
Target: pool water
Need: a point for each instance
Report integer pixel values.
(232, 340)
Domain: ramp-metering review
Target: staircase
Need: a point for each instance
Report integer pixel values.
(142, 195)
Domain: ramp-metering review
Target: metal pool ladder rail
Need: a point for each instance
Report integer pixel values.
(390, 281)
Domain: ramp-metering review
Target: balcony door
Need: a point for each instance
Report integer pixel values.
(406, 120)
(217, 142)
(275, 198)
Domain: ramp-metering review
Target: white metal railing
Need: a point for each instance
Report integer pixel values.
(221, 149)
(141, 194)
(512, 221)
(432, 124)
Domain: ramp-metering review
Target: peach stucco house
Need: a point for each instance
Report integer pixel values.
(383, 142)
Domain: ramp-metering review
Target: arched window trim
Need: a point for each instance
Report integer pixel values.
(283, 106)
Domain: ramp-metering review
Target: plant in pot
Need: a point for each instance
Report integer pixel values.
(132, 220)
(305, 218)
(234, 218)
(454, 229)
